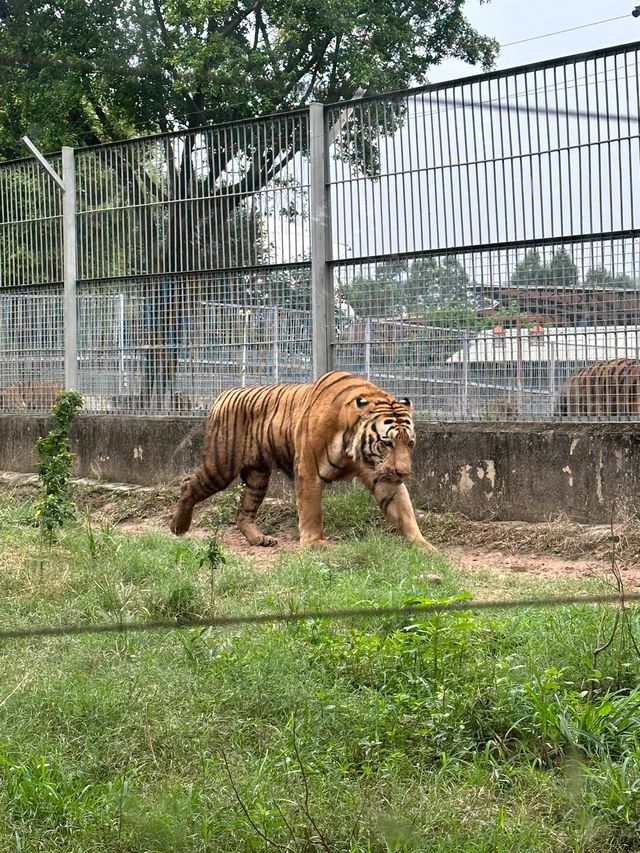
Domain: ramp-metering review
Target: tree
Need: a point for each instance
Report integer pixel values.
(80, 72)
(601, 277)
(383, 295)
(559, 272)
(529, 271)
(427, 286)
(438, 284)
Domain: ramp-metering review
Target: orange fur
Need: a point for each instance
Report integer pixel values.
(604, 388)
(336, 428)
(29, 395)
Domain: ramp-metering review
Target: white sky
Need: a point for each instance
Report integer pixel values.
(512, 20)
(359, 225)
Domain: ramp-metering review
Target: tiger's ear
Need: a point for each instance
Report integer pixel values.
(405, 401)
(361, 402)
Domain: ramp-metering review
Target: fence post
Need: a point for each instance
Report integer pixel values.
(245, 346)
(322, 296)
(552, 377)
(465, 374)
(121, 377)
(367, 348)
(70, 269)
(67, 184)
(276, 347)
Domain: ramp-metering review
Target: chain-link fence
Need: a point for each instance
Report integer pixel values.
(474, 245)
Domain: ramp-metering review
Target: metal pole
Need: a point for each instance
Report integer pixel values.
(465, 374)
(519, 379)
(322, 297)
(70, 269)
(67, 184)
(276, 347)
(367, 348)
(121, 380)
(552, 377)
(245, 345)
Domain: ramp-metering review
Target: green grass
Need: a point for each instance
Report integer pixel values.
(451, 732)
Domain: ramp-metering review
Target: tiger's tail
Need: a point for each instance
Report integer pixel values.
(195, 488)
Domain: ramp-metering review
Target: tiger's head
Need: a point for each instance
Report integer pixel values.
(384, 436)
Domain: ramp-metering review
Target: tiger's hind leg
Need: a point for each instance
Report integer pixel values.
(194, 489)
(255, 488)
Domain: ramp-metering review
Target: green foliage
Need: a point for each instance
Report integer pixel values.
(431, 732)
(601, 277)
(207, 62)
(55, 461)
(183, 601)
(559, 272)
(428, 286)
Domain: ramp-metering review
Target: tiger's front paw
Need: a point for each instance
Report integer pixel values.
(314, 543)
(426, 546)
(180, 521)
(267, 541)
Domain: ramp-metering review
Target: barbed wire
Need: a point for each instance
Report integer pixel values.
(334, 615)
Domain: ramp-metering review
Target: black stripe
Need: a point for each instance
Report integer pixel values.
(384, 504)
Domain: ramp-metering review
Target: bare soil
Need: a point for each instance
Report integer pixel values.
(556, 549)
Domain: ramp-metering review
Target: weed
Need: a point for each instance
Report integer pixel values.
(439, 732)
(184, 601)
(54, 466)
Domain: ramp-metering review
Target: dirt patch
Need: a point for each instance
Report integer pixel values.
(556, 549)
(476, 560)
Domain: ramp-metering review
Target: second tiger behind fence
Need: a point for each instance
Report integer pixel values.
(604, 388)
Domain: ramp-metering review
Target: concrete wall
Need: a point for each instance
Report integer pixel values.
(530, 472)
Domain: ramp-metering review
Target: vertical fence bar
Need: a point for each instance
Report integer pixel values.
(276, 347)
(70, 269)
(121, 382)
(465, 374)
(322, 298)
(245, 346)
(367, 347)
(552, 377)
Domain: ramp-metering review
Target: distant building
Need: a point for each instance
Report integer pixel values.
(559, 344)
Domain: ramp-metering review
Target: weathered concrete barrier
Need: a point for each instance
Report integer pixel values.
(530, 472)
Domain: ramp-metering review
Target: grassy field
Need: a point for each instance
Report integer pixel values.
(455, 732)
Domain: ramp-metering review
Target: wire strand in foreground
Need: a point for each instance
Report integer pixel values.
(311, 615)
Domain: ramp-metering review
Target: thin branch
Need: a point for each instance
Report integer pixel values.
(597, 651)
(286, 822)
(265, 37)
(314, 61)
(231, 25)
(255, 826)
(334, 65)
(305, 804)
(256, 33)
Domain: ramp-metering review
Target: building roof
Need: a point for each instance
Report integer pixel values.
(553, 343)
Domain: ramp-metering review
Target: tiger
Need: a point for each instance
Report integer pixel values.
(337, 428)
(30, 395)
(605, 388)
